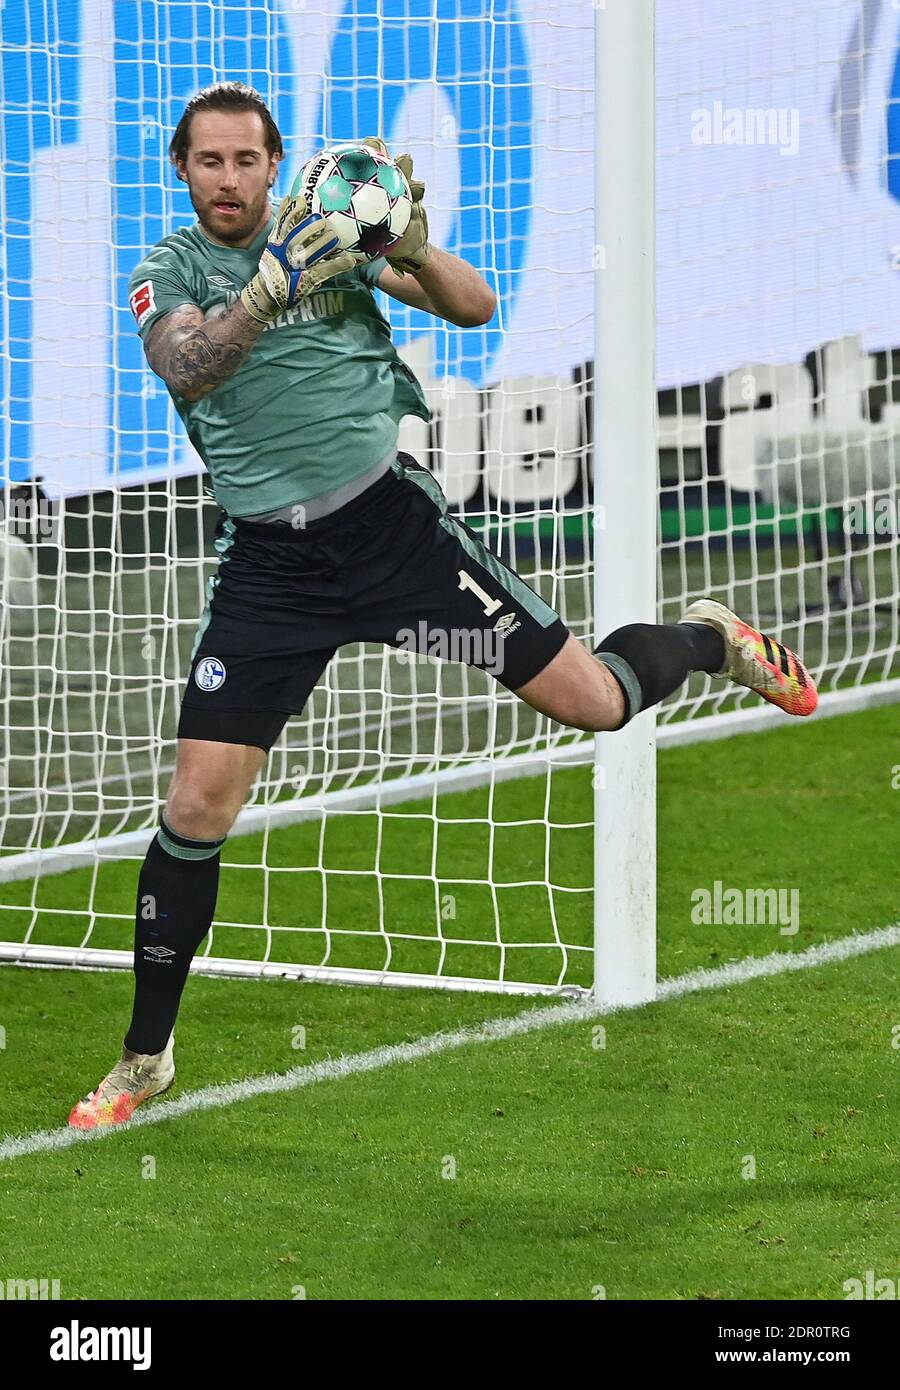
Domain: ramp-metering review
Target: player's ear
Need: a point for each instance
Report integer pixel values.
(274, 161)
(180, 171)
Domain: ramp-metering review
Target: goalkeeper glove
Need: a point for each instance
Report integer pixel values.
(300, 256)
(412, 250)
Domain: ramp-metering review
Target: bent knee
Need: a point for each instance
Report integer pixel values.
(601, 717)
(605, 721)
(199, 815)
(577, 690)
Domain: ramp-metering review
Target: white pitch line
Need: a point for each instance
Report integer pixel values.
(492, 1030)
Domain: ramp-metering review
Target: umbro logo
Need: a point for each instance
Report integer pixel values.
(220, 282)
(158, 952)
(506, 624)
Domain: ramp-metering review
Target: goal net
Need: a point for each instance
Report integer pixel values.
(417, 824)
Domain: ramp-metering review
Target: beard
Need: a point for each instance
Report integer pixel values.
(234, 228)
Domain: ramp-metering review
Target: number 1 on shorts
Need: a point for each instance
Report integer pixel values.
(490, 604)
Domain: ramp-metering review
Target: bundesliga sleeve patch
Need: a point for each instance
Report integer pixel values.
(142, 301)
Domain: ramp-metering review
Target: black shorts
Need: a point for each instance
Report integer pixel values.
(392, 566)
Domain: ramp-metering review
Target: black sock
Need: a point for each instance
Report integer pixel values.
(649, 661)
(708, 646)
(176, 899)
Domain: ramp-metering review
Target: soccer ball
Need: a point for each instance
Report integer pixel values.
(364, 195)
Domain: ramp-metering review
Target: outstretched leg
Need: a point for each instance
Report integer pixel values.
(640, 664)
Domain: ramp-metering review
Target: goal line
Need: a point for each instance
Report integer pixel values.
(222, 1096)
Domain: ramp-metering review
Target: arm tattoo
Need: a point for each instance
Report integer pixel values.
(194, 355)
(201, 361)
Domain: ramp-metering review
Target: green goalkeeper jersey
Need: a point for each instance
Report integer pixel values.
(320, 397)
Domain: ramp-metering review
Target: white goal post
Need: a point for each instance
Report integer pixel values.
(691, 219)
(625, 488)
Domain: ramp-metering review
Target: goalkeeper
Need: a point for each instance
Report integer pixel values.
(281, 366)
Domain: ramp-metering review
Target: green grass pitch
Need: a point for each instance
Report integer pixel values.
(740, 1143)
